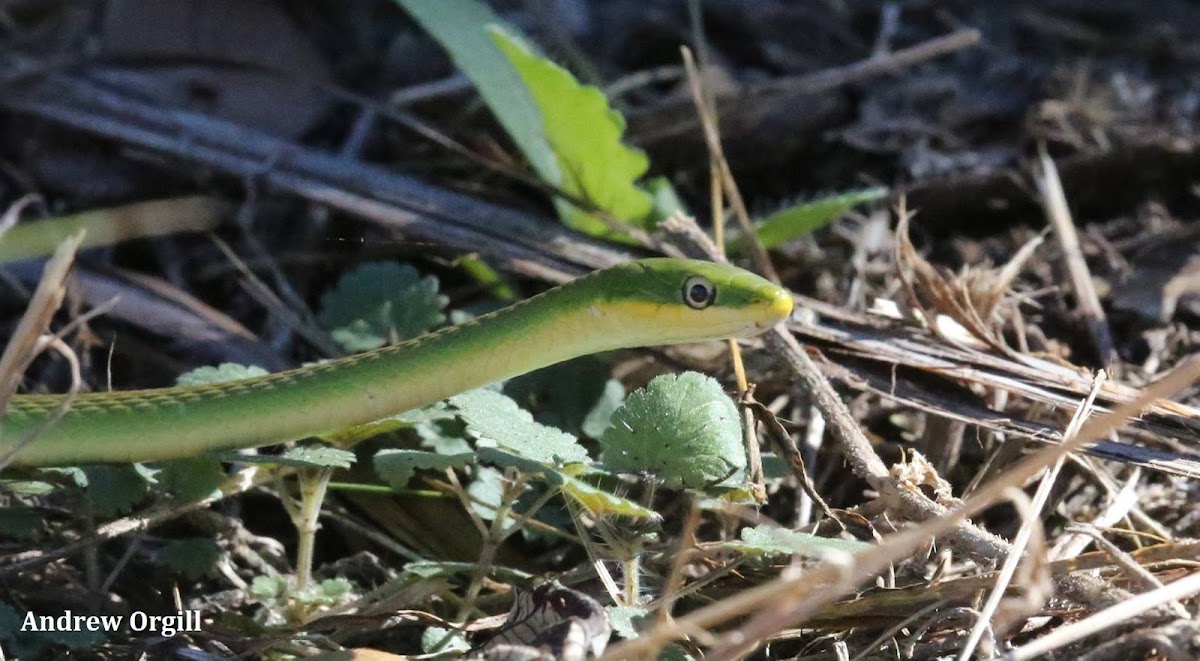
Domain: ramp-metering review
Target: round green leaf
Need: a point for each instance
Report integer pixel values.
(682, 428)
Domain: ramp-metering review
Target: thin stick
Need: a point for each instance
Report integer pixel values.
(1107, 618)
(712, 139)
(1058, 214)
(1009, 568)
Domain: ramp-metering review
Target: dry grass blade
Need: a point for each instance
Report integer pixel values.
(49, 294)
(1107, 618)
(977, 299)
(1054, 202)
(1031, 528)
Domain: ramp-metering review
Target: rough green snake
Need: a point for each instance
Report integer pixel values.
(642, 303)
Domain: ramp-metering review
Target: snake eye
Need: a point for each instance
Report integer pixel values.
(699, 292)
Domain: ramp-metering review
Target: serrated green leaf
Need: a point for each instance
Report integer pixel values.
(396, 467)
(303, 456)
(585, 135)
(221, 373)
(378, 302)
(193, 478)
(194, 558)
(495, 418)
(683, 428)
(766, 539)
(114, 489)
(803, 219)
(19, 522)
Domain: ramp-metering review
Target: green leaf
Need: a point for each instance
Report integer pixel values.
(495, 418)
(595, 500)
(487, 490)
(626, 620)
(335, 589)
(268, 588)
(396, 467)
(194, 478)
(379, 302)
(802, 219)
(27, 487)
(20, 522)
(303, 456)
(602, 503)
(767, 539)
(683, 428)
(460, 28)
(444, 641)
(194, 558)
(115, 489)
(219, 374)
(585, 135)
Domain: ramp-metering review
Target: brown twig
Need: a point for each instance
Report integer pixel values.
(1058, 214)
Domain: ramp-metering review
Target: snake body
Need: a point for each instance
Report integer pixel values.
(642, 303)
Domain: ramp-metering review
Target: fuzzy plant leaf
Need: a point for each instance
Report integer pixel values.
(193, 558)
(682, 428)
(585, 134)
(497, 420)
(379, 302)
(396, 467)
(219, 374)
(771, 540)
(802, 219)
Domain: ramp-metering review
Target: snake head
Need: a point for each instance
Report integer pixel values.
(668, 301)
